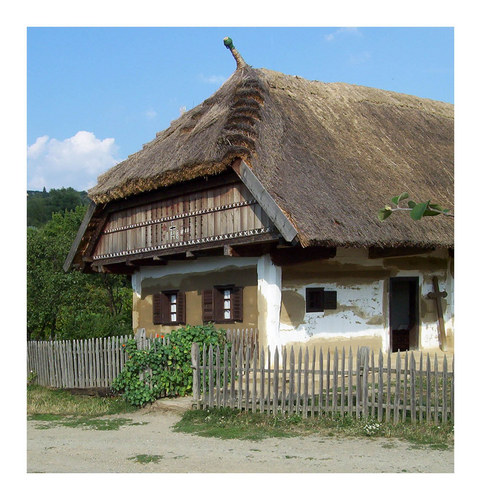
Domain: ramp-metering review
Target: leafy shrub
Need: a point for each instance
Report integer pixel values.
(163, 369)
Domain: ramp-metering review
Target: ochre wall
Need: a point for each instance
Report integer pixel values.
(192, 285)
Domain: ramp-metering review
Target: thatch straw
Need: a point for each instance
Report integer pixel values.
(330, 154)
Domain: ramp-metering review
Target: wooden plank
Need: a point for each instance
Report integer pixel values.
(268, 400)
(262, 387)
(335, 380)
(397, 390)
(298, 382)
(428, 389)
(343, 380)
(194, 352)
(239, 382)
(247, 376)
(254, 379)
(291, 381)
(405, 389)
(284, 380)
(388, 389)
(204, 376)
(225, 377)
(328, 381)
(358, 384)
(365, 385)
(445, 390)
(420, 388)
(233, 372)
(321, 382)
(380, 393)
(349, 383)
(211, 376)
(305, 395)
(275, 391)
(452, 391)
(313, 382)
(373, 385)
(217, 371)
(436, 392)
(412, 373)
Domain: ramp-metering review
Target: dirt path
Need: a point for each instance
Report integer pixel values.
(146, 443)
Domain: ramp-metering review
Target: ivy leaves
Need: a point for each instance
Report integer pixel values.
(416, 210)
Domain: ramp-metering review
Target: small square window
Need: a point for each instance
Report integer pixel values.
(314, 299)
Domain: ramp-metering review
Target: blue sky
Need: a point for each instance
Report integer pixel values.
(96, 95)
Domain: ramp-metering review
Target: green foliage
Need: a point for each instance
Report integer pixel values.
(42, 204)
(73, 304)
(163, 369)
(417, 210)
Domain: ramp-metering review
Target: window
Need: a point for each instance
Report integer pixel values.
(222, 304)
(317, 300)
(169, 308)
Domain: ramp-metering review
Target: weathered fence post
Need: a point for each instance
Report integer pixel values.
(195, 374)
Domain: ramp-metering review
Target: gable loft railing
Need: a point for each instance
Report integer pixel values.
(312, 383)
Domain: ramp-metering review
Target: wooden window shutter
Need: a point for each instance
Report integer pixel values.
(181, 308)
(237, 304)
(314, 299)
(330, 300)
(207, 306)
(157, 308)
(218, 298)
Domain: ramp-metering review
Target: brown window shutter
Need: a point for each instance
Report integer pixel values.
(181, 308)
(237, 303)
(330, 300)
(218, 296)
(157, 308)
(208, 306)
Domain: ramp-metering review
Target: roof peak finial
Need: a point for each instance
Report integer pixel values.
(238, 58)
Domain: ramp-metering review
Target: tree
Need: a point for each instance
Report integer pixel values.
(74, 304)
(416, 210)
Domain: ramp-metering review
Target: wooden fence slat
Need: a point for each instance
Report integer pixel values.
(420, 387)
(204, 376)
(365, 376)
(305, 400)
(211, 376)
(428, 389)
(358, 384)
(268, 400)
(291, 382)
(412, 374)
(405, 389)
(349, 383)
(388, 389)
(298, 384)
(335, 381)
(397, 391)
(239, 382)
(254, 379)
(373, 386)
(247, 375)
(284, 380)
(380, 393)
(275, 390)
(321, 381)
(262, 381)
(217, 370)
(313, 382)
(233, 359)
(196, 373)
(343, 381)
(445, 390)
(436, 392)
(225, 378)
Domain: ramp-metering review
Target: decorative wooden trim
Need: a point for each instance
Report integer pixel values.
(194, 247)
(80, 233)
(265, 200)
(181, 216)
(180, 244)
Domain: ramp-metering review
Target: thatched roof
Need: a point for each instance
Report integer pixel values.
(330, 154)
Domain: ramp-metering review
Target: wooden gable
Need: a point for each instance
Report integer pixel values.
(210, 217)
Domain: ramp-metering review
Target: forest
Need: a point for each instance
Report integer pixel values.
(68, 305)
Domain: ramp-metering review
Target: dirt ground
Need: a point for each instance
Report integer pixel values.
(146, 443)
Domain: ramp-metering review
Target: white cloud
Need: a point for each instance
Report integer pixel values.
(150, 114)
(213, 79)
(74, 162)
(342, 32)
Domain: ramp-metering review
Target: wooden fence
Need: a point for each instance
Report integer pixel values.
(87, 363)
(392, 387)
(95, 363)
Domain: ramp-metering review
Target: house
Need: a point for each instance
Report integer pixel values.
(258, 208)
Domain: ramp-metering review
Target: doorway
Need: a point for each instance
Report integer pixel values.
(404, 313)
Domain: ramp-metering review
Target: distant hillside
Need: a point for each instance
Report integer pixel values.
(41, 204)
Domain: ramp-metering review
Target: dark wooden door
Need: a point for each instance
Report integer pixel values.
(404, 313)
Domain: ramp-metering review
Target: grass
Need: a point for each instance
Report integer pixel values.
(225, 423)
(45, 401)
(147, 459)
(57, 407)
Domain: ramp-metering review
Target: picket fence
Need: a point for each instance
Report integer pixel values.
(95, 363)
(311, 382)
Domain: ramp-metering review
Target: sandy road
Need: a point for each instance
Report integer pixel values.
(146, 443)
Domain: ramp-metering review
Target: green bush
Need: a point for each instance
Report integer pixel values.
(163, 369)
